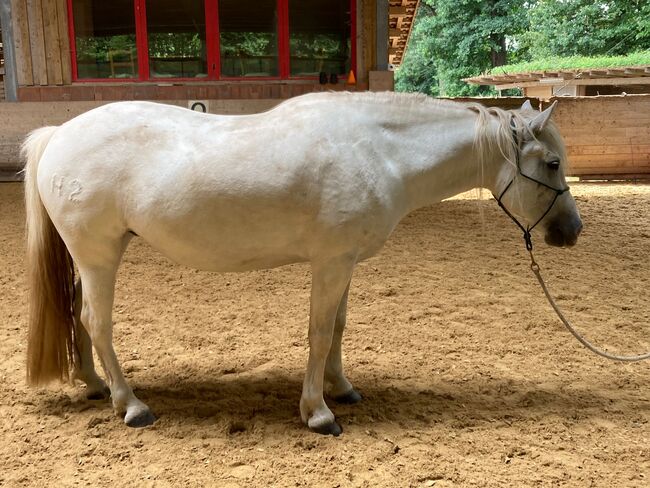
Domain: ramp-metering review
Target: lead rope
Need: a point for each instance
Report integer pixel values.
(536, 270)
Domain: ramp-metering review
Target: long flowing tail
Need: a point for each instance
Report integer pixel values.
(51, 348)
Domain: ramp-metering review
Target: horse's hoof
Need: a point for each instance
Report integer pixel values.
(328, 429)
(351, 397)
(140, 418)
(102, 394)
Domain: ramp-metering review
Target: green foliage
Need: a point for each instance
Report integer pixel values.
(585, 27)
(575, 62)
(418, 70)
(452, 40)
(97, 49)
(249, 44)
(456, 39)
(175, 45)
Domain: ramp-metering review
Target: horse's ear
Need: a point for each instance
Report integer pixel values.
(539, 122)
(526, 106)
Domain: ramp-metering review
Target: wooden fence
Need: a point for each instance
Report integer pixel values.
(607, 137)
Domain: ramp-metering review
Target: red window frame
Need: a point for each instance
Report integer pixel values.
(212, 46)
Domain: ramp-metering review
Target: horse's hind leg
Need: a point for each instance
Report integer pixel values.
(330, 279)
(96, 315)
(96, 387)
(338, 386)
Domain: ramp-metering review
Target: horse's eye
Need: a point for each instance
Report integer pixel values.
(554, 165)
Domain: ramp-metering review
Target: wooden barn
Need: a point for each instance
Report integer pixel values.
(63, 57)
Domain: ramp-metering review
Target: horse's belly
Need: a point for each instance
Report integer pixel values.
(227, 260)
(226, 244)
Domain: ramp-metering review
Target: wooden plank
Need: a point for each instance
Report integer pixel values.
(611, 171)
(623, 148)
(625, 177)
(64, 40)
(369, 27)
(595, 139)
(641, 80)
(609, 132)
(610, 160)
(599, 149)
(52, 46)
(37, 41)
(21, 43)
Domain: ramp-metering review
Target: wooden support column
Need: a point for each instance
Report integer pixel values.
(10, 80)
(382, 35)
(37, 41)
(22, 47)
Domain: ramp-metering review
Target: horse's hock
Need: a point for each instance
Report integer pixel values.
(606, 137)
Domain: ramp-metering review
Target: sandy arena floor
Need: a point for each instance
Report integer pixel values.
(468, 379)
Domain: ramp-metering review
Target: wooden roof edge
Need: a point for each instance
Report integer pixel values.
(561, 74)
(408, 35)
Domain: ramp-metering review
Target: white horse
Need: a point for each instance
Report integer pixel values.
(322, 178)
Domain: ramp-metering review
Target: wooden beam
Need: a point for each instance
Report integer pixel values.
(64, 40)
(52, 46)
(21, 43)
(10, 88)
(397, 12)
(382, 38)
(37, 41)
(641, 80)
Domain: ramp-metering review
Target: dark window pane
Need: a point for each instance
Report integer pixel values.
(248, 37)
(319, 36)
(105, 38)
(176, 34)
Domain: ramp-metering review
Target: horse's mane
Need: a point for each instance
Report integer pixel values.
(486, 141)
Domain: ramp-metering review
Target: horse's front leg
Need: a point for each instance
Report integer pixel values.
(337, 385)
(330, 279)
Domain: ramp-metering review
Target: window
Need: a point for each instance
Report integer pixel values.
(105, 39)
(248, 37)
(319, 37)
(210, 39)
(176, 39)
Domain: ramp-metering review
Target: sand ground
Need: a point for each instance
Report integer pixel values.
(468, 379)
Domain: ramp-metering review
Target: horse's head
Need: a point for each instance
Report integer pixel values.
(532, 186)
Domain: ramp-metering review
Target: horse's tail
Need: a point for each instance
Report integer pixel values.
(51, 348)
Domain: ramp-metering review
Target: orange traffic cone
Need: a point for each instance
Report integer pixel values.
(351, 79)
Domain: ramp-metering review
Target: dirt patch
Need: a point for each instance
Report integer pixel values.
(468, 379)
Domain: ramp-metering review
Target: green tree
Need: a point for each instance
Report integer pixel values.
(456, 39)
(418, 70)
(585, 27)
(453, 40)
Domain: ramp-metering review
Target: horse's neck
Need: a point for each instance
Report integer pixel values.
(441, 159)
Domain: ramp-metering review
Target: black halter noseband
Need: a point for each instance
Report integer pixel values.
(558, 192)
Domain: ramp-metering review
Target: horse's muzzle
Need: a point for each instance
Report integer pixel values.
(563, 231)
